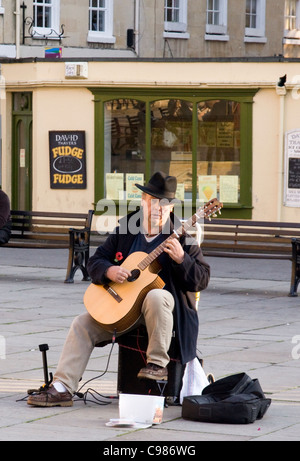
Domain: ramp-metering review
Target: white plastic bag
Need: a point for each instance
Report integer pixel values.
(194, 379)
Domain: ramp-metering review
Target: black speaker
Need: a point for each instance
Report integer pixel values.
(130, 38)
(132, 357)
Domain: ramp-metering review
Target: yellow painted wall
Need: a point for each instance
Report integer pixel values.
(63, 104)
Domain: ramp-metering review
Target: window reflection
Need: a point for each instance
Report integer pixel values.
(171, 142)
(171, 150)
(218, 152)
(124, 139)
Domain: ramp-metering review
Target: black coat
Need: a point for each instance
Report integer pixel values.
(5, 221)
(182, 280)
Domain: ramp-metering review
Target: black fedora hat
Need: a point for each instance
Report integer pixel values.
(160, 185)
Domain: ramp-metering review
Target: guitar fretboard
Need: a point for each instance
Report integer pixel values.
(176, 234)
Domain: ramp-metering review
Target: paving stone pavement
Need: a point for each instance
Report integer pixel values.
(247, 324)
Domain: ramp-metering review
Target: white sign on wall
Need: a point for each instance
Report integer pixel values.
(292, 169)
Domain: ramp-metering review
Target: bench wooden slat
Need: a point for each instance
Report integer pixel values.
(241, 222)
(57, 222)
(35, 244)
(243, 246)
(225, 254)
(50, 214)
(43, 236)
(230, 230)
(248, 238)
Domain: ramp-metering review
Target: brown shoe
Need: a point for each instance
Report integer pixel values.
(50, 398)
(152, 371)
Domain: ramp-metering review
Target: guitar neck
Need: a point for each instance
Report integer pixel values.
(176, 234)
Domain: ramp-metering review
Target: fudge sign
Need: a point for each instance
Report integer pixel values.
(67, 159)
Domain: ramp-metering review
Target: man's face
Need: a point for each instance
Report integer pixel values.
(156, 212)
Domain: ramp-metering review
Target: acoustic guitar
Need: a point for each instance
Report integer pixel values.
(117, 306)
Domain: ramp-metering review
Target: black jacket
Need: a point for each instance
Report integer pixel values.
(182, 280)
(5, 221)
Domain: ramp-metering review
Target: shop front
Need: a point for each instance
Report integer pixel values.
(72, 144)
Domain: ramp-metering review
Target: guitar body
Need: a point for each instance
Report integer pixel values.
(117, 306)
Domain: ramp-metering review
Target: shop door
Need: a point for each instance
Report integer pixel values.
(22, 151)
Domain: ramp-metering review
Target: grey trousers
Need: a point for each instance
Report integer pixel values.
(85, 333)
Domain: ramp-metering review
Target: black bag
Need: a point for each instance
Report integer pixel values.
(236, 399)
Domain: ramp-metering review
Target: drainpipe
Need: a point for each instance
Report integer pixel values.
(281, 91)
(18, 28)
(137, 25)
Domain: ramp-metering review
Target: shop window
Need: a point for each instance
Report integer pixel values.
(203, 138)
(171, 142)
(124, 147)
(218, 152)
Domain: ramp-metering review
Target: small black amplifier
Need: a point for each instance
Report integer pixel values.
(132, 357)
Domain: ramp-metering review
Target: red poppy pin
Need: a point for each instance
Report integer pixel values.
(118, 257)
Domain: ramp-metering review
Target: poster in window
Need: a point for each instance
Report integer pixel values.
(132, 192)
(207, 187)
(114, 186)
(229, 188)
(67, 159)
(292, 169)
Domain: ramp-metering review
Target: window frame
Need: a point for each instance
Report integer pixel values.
(40, 32)
(245, 97)
(260, 29)
(221, 28)
(105, 36)
(177, 26)
(292, 36)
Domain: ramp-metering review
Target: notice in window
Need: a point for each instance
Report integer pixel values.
(207, 187)
(225, 134)
(292, 169)
(115, 186)
(229, 189)
(208, 134)
(180, 191)
(133, 192)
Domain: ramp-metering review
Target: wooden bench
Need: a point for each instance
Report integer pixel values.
(37, 229)
(254, 239)
(134, 124)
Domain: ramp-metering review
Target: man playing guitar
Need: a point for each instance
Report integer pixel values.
(169, 306)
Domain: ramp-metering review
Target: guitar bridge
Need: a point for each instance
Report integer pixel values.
(113, 293)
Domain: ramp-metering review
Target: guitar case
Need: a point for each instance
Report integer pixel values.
(236, 399)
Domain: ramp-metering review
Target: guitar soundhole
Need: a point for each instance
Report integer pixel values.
(135, 273)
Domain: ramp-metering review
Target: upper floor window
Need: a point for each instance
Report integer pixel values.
(175, 16)
(255, 20)
(216, 20)
(101, 21)
(292, 21)
(46, 16)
